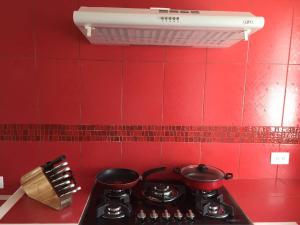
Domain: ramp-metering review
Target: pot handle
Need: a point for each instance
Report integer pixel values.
(228, 176)
(152, 171)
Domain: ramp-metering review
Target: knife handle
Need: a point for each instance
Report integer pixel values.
(50, 164)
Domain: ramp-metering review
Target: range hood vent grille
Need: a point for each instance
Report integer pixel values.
(205, 38)
(123, 26)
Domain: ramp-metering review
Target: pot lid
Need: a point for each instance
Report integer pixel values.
(202, 172)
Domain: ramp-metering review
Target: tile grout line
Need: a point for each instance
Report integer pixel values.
(122, 96)
(81, 103)
(245, 83)
(76, 5)
(243, 102)
(204, 87)
(81, 82)
(286, 79)
(203, 101)
(163, 86)
(78, 35)
(35, 61)
(134, 61)
(163, 100)
(287, 70)
(34, 34)
(80, 91)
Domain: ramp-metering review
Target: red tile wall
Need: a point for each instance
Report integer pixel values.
(49, 74)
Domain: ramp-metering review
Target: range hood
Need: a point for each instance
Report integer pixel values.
(163, 26)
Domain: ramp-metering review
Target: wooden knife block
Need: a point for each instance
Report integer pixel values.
(36, 185)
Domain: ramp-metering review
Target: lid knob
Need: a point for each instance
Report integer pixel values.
(202, 168)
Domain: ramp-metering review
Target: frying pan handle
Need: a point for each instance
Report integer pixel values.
(228, 176)
(152, 171)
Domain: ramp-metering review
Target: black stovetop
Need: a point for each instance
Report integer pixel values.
(186, 201)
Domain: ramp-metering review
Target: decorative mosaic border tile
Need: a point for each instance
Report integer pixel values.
(149, 133)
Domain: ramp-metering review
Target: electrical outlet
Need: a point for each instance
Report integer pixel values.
(280, 158)
(1, 182)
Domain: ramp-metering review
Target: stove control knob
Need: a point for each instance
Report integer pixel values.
(141, 215)
(190, 215)
(178, 215)
(153, 215)
(166, 215)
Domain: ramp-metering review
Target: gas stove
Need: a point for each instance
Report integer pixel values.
(161, 203)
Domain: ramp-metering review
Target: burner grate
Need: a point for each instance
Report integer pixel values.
(212, 205)
(161, 192)
(115, 204)
(118, 194)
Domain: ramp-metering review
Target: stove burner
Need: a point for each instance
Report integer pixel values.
(114, 204)
(120, 194)
(162, 190)
(209, 194)
(215, 210)
(113, 210)
(162, 187)
(205, 194)
(161, 193)
(212, 205)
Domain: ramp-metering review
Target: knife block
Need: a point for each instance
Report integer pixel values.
(36, 185)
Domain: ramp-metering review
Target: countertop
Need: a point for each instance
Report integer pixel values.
(261, 200)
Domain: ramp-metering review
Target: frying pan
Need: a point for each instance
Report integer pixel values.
(121, 178)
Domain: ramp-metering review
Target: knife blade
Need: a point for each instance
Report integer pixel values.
(59, 172)
(70, 178)
(60, 178)
(54, 169)
(66, 188)
(62, 184)
(70, 192)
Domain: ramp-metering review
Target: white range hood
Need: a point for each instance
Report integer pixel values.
(162, 26)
